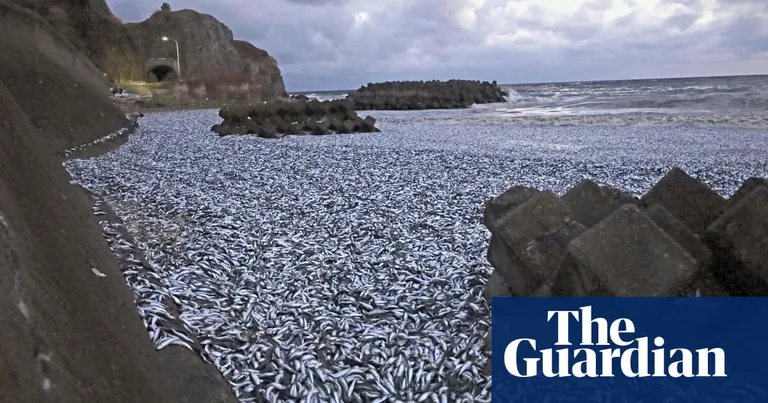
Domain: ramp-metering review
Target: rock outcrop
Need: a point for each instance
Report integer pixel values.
(91, 27)
(46, 76)
(70, 328)
(208, 50)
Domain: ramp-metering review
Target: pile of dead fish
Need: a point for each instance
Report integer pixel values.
(336, 268)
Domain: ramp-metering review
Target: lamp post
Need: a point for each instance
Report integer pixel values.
(178, 61)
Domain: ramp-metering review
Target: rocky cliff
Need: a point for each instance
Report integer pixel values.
(44, 73)
(208, 50)
(90, 26)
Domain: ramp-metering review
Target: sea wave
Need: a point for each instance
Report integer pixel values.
(326, 96)
(614, 118)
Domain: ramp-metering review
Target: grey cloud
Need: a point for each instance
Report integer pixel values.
(318, 46)
(682, 21)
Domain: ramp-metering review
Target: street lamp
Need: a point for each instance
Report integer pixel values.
(178, 61)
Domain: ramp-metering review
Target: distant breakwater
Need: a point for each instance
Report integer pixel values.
(416, 95)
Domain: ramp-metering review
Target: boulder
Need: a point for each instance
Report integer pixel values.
(590, 202)
(740, 240)
(497, 207)
(690, 200)
(625, 255)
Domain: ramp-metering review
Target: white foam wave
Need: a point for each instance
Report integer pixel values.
(327, 96)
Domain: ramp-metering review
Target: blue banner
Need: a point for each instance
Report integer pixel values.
(630, 350)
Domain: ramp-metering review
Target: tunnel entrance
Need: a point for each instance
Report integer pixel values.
(162, 73)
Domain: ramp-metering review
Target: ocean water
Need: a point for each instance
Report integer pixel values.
(737, 101)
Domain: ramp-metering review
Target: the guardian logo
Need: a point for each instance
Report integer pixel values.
(630, 356)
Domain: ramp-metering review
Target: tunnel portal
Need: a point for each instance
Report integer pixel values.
(161, 69)
(163, 73)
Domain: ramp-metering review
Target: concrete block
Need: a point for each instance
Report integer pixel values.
(496, 287)
(510, 269)
(294, 128)
(746, 187)
(541, 214)
(240, 130)
(626, 254)
(269, 131)
(688, 199)
(543, 256)
(684, 237)
(705, 285)
(533, 239)
(739, 238)
(499, 206)
(368, 125)
(544, 290)
(322, 127)
(590, 202)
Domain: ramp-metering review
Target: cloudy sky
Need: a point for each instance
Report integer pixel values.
(342, 44)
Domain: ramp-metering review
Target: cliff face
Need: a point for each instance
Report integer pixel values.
(208, 50)
(90, 26)
(58, 89)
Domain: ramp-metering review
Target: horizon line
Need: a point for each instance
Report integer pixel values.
(563, 82)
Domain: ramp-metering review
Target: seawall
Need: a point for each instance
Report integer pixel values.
(70, 330)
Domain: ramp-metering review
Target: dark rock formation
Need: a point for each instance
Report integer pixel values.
(208, 50)
(412, 95)
(279, 118)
